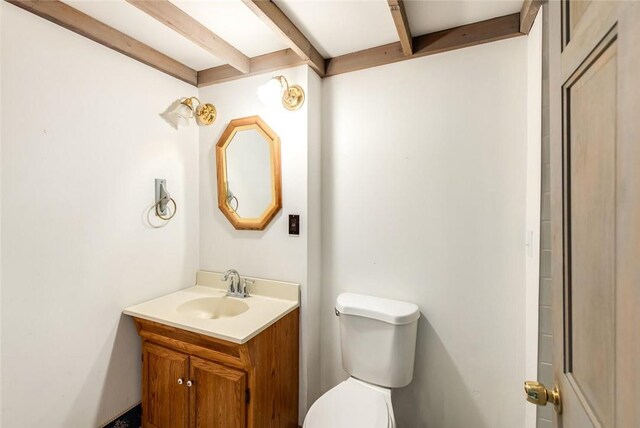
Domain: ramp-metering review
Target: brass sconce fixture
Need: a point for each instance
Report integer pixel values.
(277, 90)
(204, 114)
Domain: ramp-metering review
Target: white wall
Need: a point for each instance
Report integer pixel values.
(314, 240)
(271, 253)
(1, 9)
(81, 145)
(424, 180)
(534, 171)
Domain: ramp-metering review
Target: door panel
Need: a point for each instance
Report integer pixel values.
(167, 400)
(590, 118)
(595, 175)
(218, 395)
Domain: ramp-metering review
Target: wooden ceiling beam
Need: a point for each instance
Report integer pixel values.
(83, 24)
(402, 25)
(528, 14)
(428, 44)
(271, 15)
(260, 64)
(442, 41)
(181, 22)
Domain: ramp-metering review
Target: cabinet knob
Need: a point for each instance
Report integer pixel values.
(189, 383)
(180, 381)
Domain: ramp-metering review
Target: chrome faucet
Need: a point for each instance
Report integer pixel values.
(235, 281)
(237, 288)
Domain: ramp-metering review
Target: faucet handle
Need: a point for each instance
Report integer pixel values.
(245, 283)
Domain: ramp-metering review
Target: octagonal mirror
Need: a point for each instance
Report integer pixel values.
(248, 169)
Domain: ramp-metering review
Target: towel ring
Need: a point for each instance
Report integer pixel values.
(175, 209)
(229, 200)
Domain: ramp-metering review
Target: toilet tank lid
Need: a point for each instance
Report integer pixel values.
(387, 310)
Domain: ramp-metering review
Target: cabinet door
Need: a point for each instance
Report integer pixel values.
(165, 396)
(218, 395)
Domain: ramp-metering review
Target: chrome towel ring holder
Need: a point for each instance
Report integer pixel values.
(162, 201)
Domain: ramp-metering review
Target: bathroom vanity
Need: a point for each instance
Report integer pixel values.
(212, 361)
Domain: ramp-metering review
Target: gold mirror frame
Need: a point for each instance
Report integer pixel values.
(243, 124)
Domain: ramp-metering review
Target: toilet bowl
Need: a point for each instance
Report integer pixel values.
(378, 342)
(352, 404)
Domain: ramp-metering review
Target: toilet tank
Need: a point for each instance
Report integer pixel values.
(378, 338)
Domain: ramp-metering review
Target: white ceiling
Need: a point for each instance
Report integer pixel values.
(235, 23)
(229, 19)
(338, 27)
(430, 16)
(133, 22)
(335, 27)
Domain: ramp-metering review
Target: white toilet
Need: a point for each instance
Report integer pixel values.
(378, 340)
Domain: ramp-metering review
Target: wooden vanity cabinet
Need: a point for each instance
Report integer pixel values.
(191, 380)
(166, 401)
(219, 395)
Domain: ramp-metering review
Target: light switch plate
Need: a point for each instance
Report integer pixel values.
(294, 224)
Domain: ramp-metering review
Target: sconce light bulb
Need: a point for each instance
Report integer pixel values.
(271, 92)
(185, 113)
(180, 115)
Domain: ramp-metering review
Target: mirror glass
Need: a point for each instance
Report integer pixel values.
(248, 164)
(249, 180)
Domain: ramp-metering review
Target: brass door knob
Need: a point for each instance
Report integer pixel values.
(538, 394)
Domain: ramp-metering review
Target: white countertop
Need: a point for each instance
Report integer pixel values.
(269, 301)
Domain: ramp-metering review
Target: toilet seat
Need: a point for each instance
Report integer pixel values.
(351, 404)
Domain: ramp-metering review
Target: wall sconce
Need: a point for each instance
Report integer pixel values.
(277, 90)
(205, 114)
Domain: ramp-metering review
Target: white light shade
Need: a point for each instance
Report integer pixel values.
(180, 115)
(271, 92)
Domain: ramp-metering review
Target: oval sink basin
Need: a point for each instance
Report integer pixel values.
(213, 308)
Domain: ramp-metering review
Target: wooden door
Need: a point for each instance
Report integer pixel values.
(164, 391)
(218, 395)
(595, 190)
